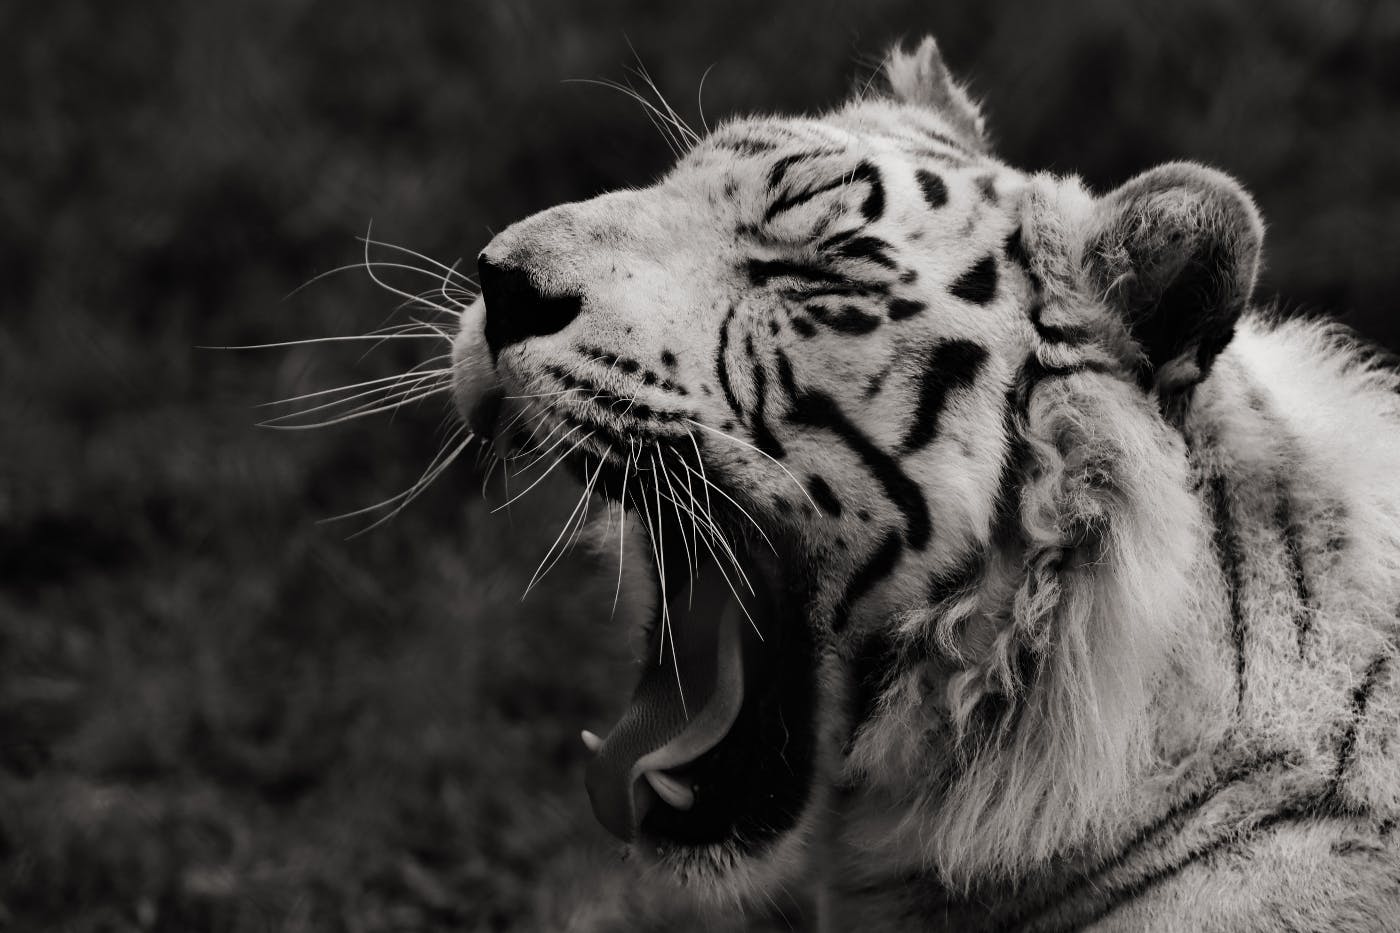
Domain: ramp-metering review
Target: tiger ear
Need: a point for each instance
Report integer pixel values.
(920, 78)
(1175, 251)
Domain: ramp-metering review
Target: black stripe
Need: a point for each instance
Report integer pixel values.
(871, 663)
(879, 565)
(763, 271)
(934, 189)
(1293, 550)
(1015, 247)
(1174, 818)
(960, 147)
(977, 285)
(1045, 371)
(987, 187)
(825, 498)
(1292, 811)
(722, 365)
(1055, 333)
(955, 581)
(746, 146)
(1007, 508)
(901, 308)
(818, 410)
(869, 248)
(848, 319)
(1360, 699)
(1227, 546)
(872, 208)
(778, 172)
(763, 437)
(953, 365)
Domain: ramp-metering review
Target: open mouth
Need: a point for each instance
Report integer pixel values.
(716, 745)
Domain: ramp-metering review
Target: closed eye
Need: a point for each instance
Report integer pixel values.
(763, 271)
(818, 280)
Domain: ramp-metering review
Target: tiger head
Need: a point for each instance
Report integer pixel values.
(892, 423)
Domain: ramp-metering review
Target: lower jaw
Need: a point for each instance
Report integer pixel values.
(752, 788)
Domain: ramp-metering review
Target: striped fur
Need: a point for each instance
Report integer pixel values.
(1103, 565)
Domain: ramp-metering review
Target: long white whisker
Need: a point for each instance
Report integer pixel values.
(621, 533)
(339, 339)
(700, 98)
(541, 570)
(742, 511)
(423, 484)
(446, 269)
(658, 550)
(690, 559)
(558, 460)
(432, 464)
(341, 419)
(744, 443)
(382, 393)
(359, 385)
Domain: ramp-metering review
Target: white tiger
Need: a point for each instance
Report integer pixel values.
(1017, 574)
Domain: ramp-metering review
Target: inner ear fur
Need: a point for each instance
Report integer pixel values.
(1176, 252)
(921, 79)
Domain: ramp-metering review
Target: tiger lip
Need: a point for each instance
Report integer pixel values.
(668, 788)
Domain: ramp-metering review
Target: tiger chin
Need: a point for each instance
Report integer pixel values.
(993, 563)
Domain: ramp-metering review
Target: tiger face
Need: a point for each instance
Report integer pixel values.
(802, 363)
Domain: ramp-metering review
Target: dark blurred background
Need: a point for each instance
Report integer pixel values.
(217, 713)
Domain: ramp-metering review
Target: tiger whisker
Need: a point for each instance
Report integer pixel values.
(446, 269)
(537, 459)
(356, 266)
(742, 511)
(714, 533)
(719, 565)
(337, 339)
(542, 570)
(380, 396)
(393, 289)
(439, 460)
(358, 385)
(423, 483)
(557, 460)
(658, 550)
(744, 443)
(392, 406)
(657, 466)
(383, 391)
(621, 531)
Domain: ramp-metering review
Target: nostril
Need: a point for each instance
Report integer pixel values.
(516, 308)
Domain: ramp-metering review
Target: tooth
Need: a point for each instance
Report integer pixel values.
(591, 741)
(671, 790)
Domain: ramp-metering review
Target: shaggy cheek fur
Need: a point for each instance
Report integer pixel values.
(1109, 532)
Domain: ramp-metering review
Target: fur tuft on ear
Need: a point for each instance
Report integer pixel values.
(921, 79)
(1176, 251)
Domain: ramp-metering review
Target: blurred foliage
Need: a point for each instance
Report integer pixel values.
(218, 714)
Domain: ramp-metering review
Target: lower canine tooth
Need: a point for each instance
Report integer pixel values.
(591, 741)
(670, 790)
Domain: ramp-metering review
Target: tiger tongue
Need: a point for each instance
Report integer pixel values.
(685, 703)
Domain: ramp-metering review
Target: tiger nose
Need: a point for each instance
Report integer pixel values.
(517, 309)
